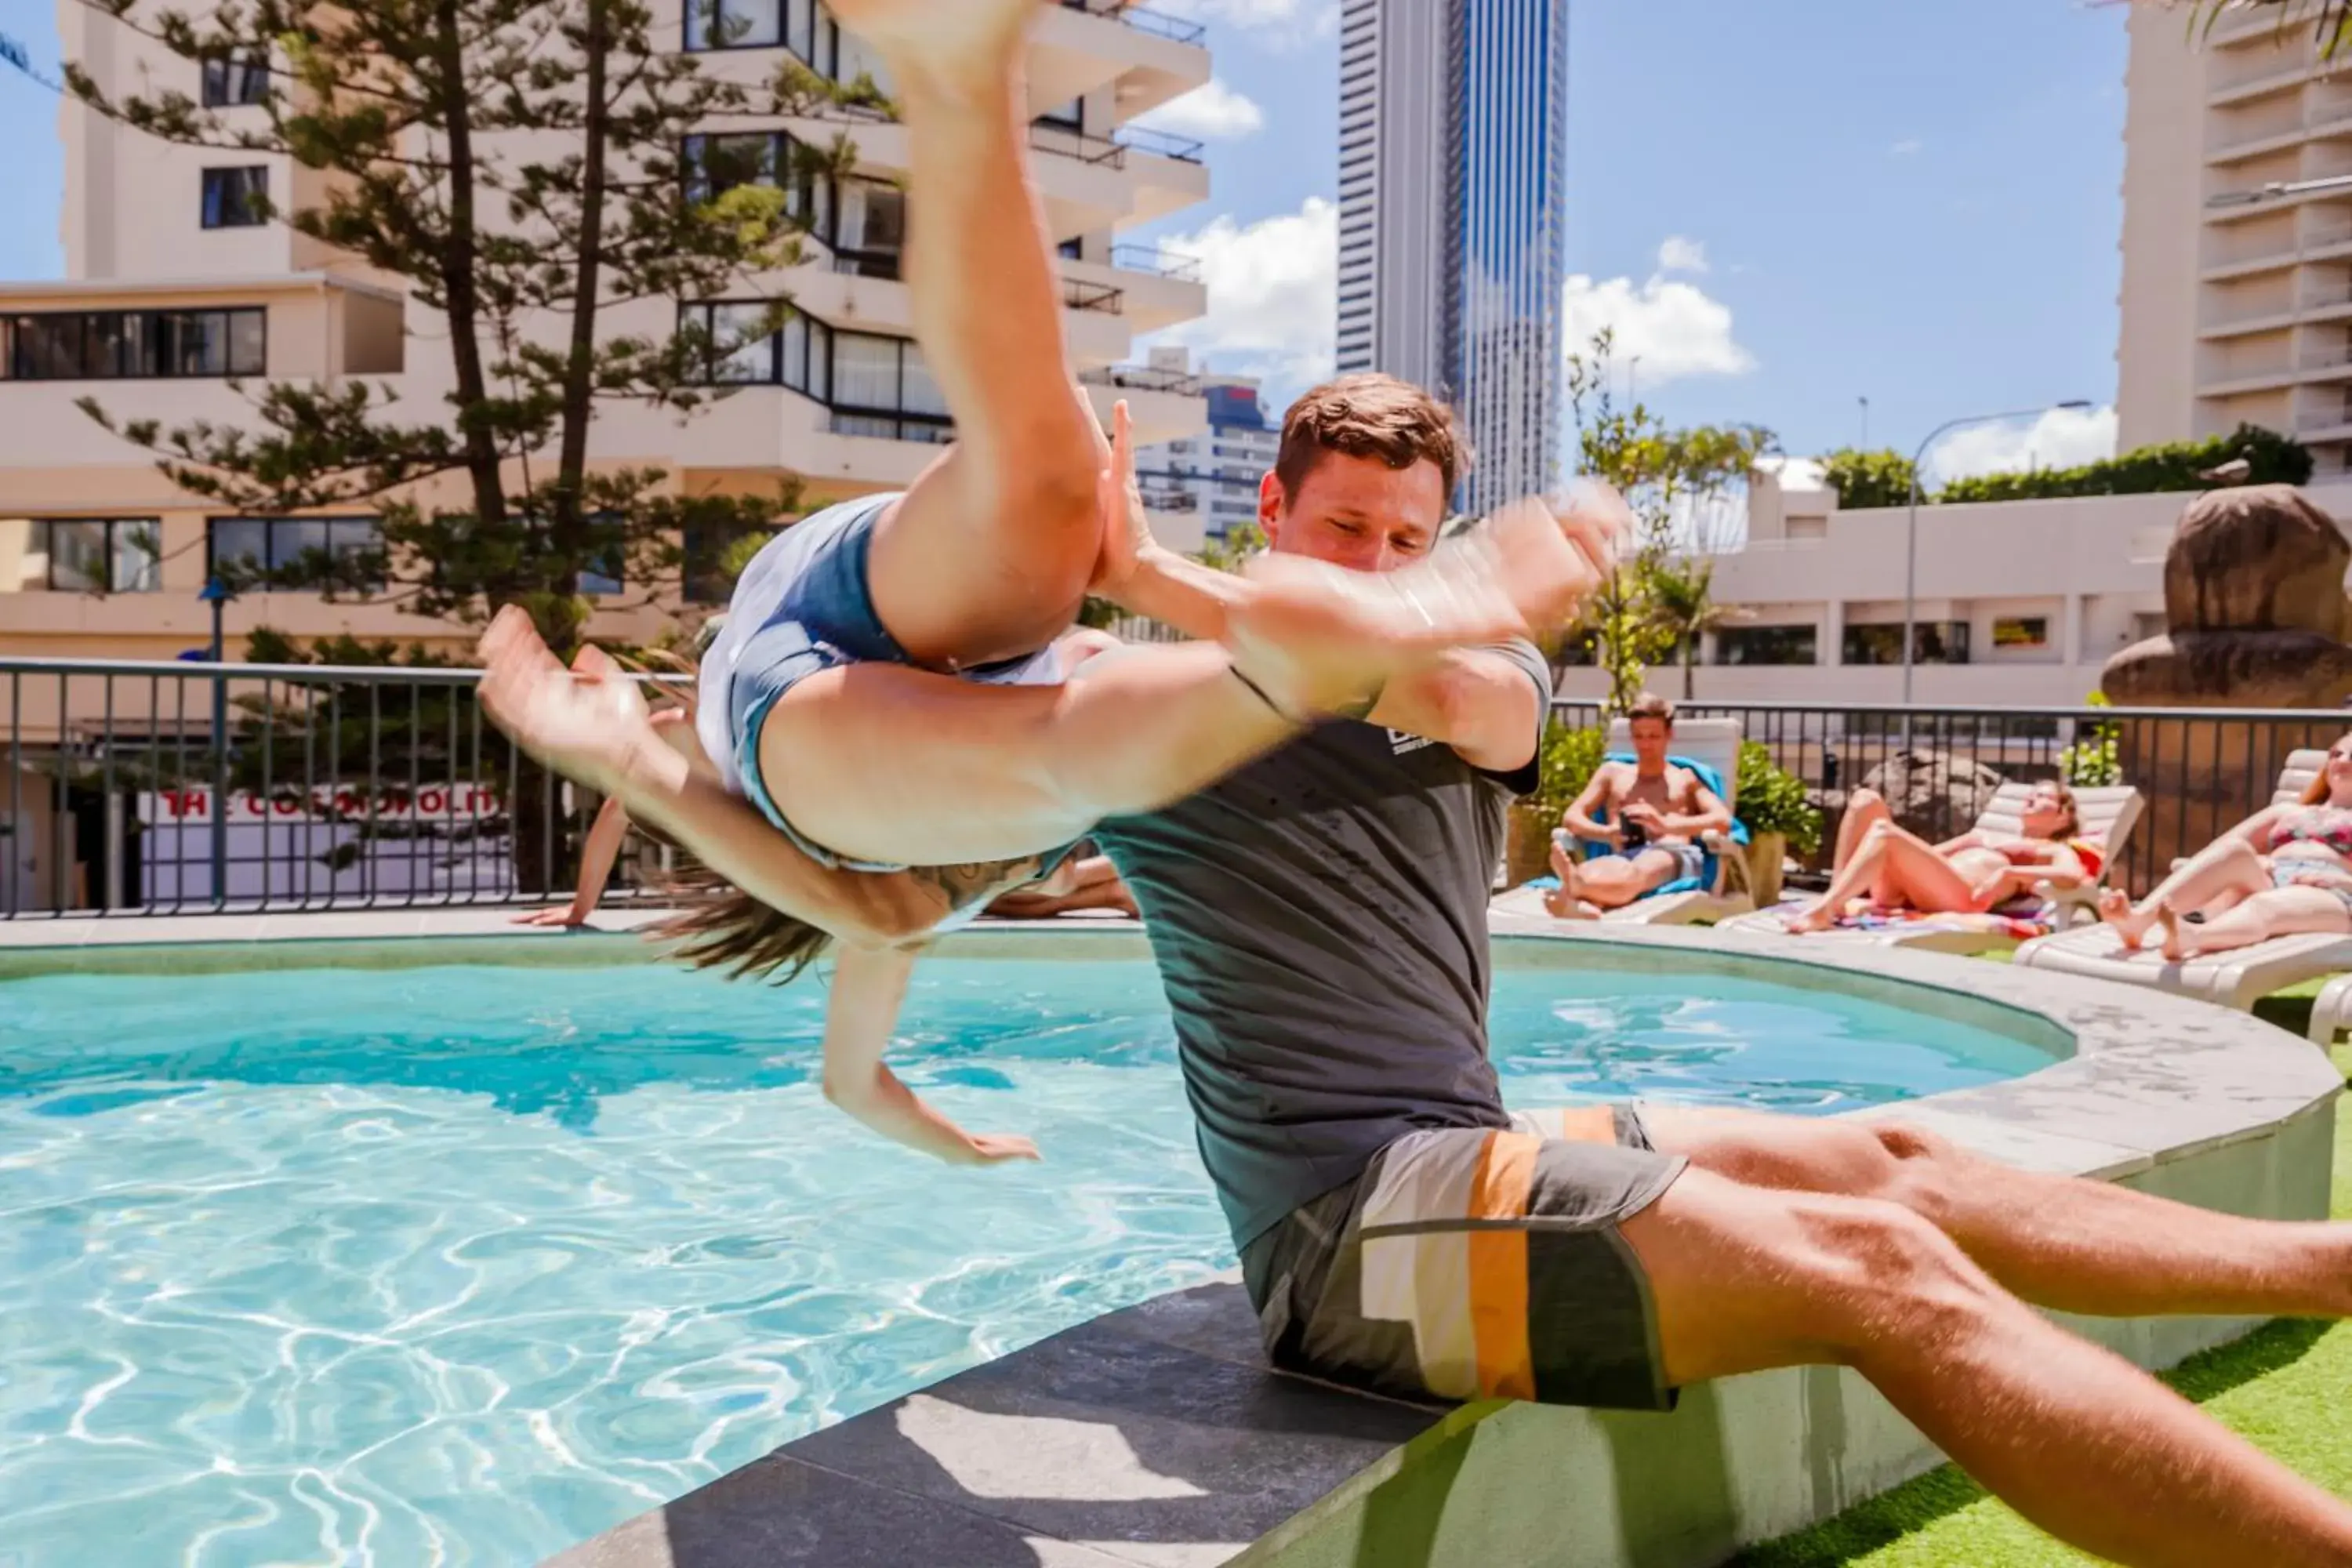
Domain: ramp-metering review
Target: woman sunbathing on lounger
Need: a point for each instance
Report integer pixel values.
(1978, 871)
(2284, 871)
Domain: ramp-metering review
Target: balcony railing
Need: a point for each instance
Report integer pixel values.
(1064, 142)
(1180, 29)
(1079, 295)
(1160, 145)
(1143, 378)
(1159, 263)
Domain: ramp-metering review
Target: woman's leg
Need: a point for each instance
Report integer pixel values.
(1900, 868)
(989, 553)
(2275, 911)
(1865, 809)
(2226, 868)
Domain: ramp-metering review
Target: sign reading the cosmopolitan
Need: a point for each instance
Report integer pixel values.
(331, 840)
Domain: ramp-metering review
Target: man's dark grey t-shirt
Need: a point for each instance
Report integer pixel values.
(1319, 920)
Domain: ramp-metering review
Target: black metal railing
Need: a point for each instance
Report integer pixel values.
(1064, 142)
(1077, 294)
(1143, 378)
(179, 788)
(2200, 770)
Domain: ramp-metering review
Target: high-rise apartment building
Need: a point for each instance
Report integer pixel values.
(2237, 243)
(171, 289)
(1452, 218)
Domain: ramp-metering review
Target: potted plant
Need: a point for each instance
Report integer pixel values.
(1779, 818)
(1571, 755)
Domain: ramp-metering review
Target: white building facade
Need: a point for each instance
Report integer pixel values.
(1202, 487)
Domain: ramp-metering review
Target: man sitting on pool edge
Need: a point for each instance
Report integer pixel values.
(1320, 919)
(1652, 814)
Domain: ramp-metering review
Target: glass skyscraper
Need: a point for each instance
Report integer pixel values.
(1453, 216)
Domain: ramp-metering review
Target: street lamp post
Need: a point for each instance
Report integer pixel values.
(1911, 534)
(217, 595)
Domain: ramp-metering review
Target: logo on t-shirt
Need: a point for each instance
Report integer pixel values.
(1399, 742)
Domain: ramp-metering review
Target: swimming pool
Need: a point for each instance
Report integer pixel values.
(460, 1265)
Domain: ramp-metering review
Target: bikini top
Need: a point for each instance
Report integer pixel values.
(2316, 825)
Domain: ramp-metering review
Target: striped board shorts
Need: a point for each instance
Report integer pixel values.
(1477, 1263)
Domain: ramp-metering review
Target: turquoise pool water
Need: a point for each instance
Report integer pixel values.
(458, 1266)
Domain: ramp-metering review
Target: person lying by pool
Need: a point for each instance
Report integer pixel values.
(2284, 871)
(1650, 814)
(1892, 868)
(1085, 884)
(1321, 920)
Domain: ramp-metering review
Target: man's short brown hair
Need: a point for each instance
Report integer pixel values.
(1650, 705)
(1369, 416)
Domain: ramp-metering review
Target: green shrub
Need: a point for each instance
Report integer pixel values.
(1773, 800)
(2276, 459)
(1571, 755)
(2093, 762)
(1864, 480)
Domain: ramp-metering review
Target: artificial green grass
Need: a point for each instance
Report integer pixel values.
(2283, 1387)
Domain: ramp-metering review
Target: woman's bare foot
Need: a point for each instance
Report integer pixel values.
(2177, 946)
(2130, 925)
(1817, 916)
(1327, 638)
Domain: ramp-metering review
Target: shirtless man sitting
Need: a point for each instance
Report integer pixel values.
(1650, 813)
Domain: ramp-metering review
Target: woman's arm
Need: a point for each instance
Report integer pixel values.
(597, 855)
(870, 985)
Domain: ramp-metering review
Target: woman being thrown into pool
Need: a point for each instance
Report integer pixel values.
(892, 731)
(1893, 870)
(2284, 871)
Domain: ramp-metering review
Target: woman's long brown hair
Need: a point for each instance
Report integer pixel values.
(2318, 791)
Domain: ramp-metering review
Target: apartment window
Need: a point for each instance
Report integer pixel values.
(110, 345)
(296, 552)
(94, 556)
(801, 26)
(797, 355)
(1072, 249)
(1768, 645)
(870, 229)
(235, 80)
(233, 198)
(1070, 116)
(2021, 634)
(1935, 642)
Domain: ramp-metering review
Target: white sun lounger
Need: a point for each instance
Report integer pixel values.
(1716, 742)
(2237, 978)
(2107, 813)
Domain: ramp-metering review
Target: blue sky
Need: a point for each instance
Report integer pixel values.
(1915, 203)
(1782, 208)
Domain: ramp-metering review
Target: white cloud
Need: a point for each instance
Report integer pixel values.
(1274, 294)
(1906, 148)
(1214, 112)
(1682, 255)
(2060, 438)
(1675, 327)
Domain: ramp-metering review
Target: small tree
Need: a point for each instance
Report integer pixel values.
(518, 168)
(1681, 484)
(1866, 479)
(1682, 602)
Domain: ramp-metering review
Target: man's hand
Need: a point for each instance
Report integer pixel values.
(1645, 817)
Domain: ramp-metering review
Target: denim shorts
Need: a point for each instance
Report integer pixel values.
(806, 605)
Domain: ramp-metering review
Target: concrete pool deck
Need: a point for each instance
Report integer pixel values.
(1155, 1438)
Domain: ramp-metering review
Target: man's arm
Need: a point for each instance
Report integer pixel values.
(1711, 816)
(1579, 818)
(1473, 700)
